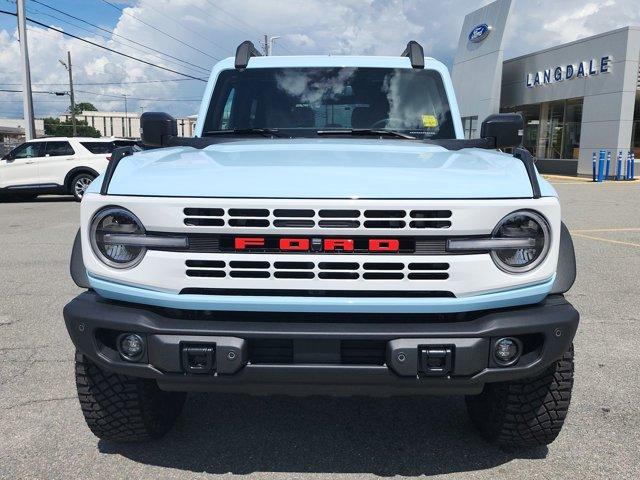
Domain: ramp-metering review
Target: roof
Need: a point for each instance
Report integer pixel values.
(275, 61)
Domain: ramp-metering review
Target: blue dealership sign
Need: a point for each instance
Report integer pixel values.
(479, 33)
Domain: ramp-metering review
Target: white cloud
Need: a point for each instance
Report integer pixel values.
(370, 27)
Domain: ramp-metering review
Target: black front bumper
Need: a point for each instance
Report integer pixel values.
(300, 354)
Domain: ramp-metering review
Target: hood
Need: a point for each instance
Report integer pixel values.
(321, 168)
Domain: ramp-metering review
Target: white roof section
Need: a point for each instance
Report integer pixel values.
(275, 61)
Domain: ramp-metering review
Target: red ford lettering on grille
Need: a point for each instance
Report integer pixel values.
(294, 244)
(343, 244)
(383, 245)
(318, 245)
(242, 243)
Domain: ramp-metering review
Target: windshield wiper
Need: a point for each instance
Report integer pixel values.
(365, 131)
(265, 132)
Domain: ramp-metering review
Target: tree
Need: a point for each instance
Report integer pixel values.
(55, 128)
(83, 107)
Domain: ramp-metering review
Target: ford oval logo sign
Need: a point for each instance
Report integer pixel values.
(479, 33)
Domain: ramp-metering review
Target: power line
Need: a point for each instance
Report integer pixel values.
(217, 45)
(115, 34)
(131, 82)
(159, 30)
(253, 27)
(115, 41)
(113, 95)
(120, 96)
(106, 48)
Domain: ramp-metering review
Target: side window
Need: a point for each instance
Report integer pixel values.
(27, 150)
(98, 147)
(225, 123)
(57, 149)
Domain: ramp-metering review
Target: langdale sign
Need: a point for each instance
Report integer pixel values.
(587, 68)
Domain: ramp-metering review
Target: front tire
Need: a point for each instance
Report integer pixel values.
(122, 408)
(525, 413)
(79, 184)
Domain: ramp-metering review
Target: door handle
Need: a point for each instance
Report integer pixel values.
(29, 163)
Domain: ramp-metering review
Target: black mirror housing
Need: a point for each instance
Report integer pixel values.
(505, 128)
(156, 128)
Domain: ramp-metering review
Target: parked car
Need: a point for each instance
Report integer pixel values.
(328, 231)
(56, 165)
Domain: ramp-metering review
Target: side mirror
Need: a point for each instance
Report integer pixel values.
(505, 128)
(156, 128)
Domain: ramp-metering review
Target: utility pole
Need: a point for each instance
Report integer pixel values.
(27, 100)
(72, 98)
(126, 118)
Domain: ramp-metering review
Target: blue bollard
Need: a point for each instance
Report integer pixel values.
(593, 165)
(633, 165)
(601, 165)
(619, 166)
(608, 167)
(628, 170)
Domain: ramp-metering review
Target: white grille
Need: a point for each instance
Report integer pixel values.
(352, 219)
(303, 269)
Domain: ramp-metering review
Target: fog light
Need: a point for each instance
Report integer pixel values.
(506, 351)
(131, 346)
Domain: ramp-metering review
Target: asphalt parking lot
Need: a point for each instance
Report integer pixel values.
(43, 434)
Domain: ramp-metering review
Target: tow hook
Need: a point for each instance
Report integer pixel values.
(435, 362)
(198, 358)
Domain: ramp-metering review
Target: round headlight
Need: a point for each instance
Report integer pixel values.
(522, 224)
(106, 226)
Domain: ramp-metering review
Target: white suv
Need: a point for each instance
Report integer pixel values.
(59, 165)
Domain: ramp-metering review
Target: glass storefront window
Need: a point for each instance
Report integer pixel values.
(470, 127)
(552, 129)
(531, 116)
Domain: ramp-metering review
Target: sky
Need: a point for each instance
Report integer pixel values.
(190, 36)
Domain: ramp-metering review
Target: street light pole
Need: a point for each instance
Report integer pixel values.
(271, 41)
(71, 96)
(27, 100)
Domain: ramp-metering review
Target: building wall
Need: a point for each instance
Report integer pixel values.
(609, 98)
(127, 125)
(19, 123)
(477, 67)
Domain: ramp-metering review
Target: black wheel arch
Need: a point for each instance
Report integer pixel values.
(75, 171)
(566, 270)
(77, 268)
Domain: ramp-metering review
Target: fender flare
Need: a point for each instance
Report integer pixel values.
(76, 266)
(566, 270)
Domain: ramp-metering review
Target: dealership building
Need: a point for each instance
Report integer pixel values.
(575, 98)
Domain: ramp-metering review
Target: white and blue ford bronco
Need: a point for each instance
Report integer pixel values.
(328, 231)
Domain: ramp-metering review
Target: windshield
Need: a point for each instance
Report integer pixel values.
(301, 101)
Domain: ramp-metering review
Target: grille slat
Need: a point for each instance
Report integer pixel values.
(204, 222)
(383, 276)
(284, 212)
(294, 223)
(288, 274)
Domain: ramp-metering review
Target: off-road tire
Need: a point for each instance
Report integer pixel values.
(525, 413)
(120, 408)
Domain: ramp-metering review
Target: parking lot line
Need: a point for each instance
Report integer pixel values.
(595, 230)
(631, 244)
